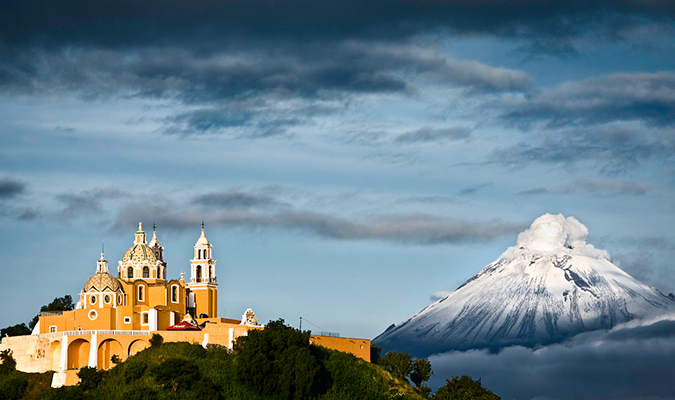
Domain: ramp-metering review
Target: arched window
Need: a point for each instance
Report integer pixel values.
(130, 273)
(210, 273)
(146, 272)
(199, 252)
(199, 273)
(141, 294)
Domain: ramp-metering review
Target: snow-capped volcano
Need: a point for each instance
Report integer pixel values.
(550, 286)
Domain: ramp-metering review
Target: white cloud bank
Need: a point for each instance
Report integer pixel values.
(629, 362)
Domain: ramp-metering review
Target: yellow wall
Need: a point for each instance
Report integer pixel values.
(358, 347)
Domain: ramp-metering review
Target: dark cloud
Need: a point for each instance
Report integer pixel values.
(10, 187)
(646, 97)
(124, 23)
(87, 202)
(474, 189)
(235, 198)
(427, 134)
(401, 228)
(615, 187)
(429, 199)
(612, 148)
(632, 361)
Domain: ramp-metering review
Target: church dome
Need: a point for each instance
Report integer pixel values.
(139, 254)
(100, 281)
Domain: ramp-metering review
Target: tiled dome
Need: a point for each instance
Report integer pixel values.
(100, 281)
(139, 254)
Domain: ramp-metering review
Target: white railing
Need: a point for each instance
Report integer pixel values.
(80, 333)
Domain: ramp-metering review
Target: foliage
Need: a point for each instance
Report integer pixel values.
(64, 303)
(8, 362)
(421, 371)
(464, 388)
(176, 373)
(156, 340)
(15, 330)
(65, 393)
(375, 353)
(398, 363)
(13, 386)
(133, 369)
(115, 359)
(90, 378)
(277, 359)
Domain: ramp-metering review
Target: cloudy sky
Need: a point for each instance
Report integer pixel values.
(350, 159)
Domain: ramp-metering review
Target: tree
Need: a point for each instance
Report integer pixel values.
(156, 340)
(90, 377)
(64, 303)
(464, 388)
(375, 353)
(277, 360)
(421, 371)
(397, 363)
(15, 330)
(176, 373)
(8, 362)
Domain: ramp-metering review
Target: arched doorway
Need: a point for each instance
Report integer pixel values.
(136, 346)
(106, 350)
(78, 354)
(55, 351)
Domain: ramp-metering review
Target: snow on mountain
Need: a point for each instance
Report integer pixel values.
(550, 286)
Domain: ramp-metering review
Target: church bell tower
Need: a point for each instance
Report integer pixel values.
(203, 284)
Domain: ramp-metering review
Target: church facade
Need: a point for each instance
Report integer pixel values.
(141, 298)
(116, 315)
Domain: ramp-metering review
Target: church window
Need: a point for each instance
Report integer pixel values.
(130, 273)
(199, 273)
(93, 314)
(92, 299)
(119, 299)
(146, 272)
(174, 294)
(141, 295)
(52, 329)
(145, 318)
(106, 298)
(127, 320)
(199, 256)
(210, 273)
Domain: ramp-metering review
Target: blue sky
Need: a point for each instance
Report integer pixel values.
(349, 159)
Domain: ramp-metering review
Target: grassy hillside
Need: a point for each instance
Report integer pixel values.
(275, 363)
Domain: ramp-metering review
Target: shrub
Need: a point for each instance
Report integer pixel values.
(133, 369)
(90, 377)
(13, 386)
(156, 340)
(464, 388)
(8, 362)
(175, 373)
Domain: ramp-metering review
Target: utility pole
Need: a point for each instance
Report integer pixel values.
(300, 324)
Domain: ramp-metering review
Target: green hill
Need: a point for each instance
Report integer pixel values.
(276, 363)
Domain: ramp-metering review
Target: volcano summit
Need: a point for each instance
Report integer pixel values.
(552, 285)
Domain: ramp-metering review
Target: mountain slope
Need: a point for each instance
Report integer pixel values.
(552, 285)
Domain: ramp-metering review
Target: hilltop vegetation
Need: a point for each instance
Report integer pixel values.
(276, 363)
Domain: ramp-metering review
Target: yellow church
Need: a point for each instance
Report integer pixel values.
(117, 315)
